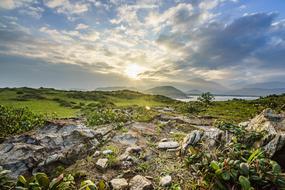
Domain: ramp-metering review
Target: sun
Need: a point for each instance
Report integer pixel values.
(133, 71)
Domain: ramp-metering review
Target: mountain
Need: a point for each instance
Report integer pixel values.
(168, 91)
(195, 91)
(116, 88)
(267, 85)
(202, 85)
(256, 91)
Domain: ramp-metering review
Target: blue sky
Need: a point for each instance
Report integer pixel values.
(93, 43)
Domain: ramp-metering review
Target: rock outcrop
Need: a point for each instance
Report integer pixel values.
(274, 125)
(46, 147)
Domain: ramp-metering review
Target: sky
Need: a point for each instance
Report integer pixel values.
(85, 44)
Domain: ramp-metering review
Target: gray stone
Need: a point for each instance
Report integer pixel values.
(134, 149)
(140, 183)
(96, 154)
(40, 149)
(165, 181)
(191, 139)
(102, 163)
(274, 142)
(168, 145)
(106, 152)
(119, 184)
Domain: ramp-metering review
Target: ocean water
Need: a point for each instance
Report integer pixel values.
(220, 98)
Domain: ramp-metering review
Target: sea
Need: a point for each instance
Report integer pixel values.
(219, 98)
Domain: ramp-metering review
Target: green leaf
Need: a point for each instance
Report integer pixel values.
(215, 165)
(22, 182)
(254, 156)
(55, 182)
(226, 176)
(244, 182)
(101, 185)
(275, 168)
(87, 185)
(43, 180)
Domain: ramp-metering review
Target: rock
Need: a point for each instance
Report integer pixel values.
(103, 131)
(165, 181)
(106, 152)
(191, 139)
(134, 149)
(274, 142)
(140, 183)
(102, 163)
(168, 145)
(96, 154)
(243, 124)
(41, 149)
(126, 139)
(119, 184)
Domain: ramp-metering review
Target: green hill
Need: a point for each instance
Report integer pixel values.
(168, 91)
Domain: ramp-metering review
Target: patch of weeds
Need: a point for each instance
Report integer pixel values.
(178, 136)
(113, 148)
(143, 166)
(113, 160)
(175, 186)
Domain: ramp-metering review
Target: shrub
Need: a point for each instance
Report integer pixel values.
(42, 181)
(235, 165)
(206, 98)
(18, 120)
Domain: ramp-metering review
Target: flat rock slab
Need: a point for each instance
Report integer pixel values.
(140, 183)
(39, 149)
(126, 139)
(168, 145)
(119, 184)
(102, 163)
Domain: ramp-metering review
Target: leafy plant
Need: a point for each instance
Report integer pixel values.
(206, 98)
(6, 182)
(18, 120)
(234, 165)
(40, 181)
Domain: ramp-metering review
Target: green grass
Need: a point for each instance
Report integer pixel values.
(64, 104)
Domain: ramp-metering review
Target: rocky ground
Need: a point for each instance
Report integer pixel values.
(136, 156)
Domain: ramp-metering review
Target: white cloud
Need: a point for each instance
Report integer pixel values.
(81, 26)
(35, 12)
(67, 7)
(92, 36)
(12, 4)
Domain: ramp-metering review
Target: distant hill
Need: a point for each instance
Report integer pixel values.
(168, 91)
(116, 88)
(196, 92)
(267, 85)
(256, 91)
(203, 85)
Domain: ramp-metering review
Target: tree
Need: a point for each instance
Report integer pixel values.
(206, 98)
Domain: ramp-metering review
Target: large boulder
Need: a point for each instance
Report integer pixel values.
(274, 125)
(46, 147)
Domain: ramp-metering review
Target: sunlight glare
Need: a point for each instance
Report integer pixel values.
(133, 71)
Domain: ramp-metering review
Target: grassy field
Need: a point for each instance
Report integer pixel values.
(64, 104)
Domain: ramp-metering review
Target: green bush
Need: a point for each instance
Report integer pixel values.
(18, 120)
(40, 181)
(234, 165)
